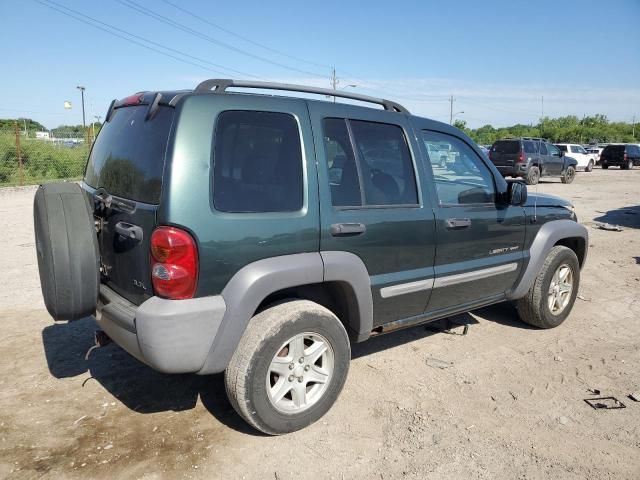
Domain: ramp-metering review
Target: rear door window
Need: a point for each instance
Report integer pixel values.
(379, 172)
(257, 164)
(127, 159)
(386, 167)
(529, 146)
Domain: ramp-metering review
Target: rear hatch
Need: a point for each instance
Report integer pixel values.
(505, 152)
(613, 154)
(124, 177)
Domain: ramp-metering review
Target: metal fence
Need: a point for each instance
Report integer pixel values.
(29, 157)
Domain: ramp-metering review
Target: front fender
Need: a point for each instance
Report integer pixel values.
(549, 235)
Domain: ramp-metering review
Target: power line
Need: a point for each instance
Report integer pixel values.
(241, 37)
(161, 18)
(362, 83)
(77, 16)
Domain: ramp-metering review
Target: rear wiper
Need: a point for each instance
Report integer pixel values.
(103, 201)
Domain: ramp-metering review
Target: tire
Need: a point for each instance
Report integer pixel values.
(628, 165)
(67, 250)
(533, 176)
(534, 307)
(589, 166)
(249, 378)
(569, 175)
(605, 166)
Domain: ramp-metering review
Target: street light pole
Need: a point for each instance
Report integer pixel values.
(82, 89)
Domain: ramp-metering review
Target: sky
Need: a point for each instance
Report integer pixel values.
(504, 62)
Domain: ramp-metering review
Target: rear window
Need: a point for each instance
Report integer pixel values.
(613, 149)
(128, 157)
(257, 163)
(506, 146)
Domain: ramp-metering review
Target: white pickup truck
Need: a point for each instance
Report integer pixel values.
(585, 160)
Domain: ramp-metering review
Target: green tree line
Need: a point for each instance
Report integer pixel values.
(570, 129)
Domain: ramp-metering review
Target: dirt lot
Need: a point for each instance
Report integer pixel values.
(504, 401)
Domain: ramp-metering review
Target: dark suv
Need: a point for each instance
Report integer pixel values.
(256, 235)
(531, 158)
(623, 155)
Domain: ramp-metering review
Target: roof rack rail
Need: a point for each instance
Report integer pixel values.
(220, 85)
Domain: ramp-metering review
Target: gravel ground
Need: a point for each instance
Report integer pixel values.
(504, 401)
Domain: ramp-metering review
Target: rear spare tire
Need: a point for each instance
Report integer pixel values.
(67, 249)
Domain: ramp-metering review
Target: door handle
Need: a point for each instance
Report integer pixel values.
(129, 231)
(347, 229)
(458, 223)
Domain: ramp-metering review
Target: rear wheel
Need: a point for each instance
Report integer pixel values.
(568, 175)
(605, 166)
(533, 176)
(589, 166)
(553, 293)
(289, 367)
(628, 165)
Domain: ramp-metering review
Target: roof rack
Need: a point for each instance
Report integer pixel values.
(221, 86)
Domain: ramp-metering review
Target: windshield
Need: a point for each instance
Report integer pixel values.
(128, 157)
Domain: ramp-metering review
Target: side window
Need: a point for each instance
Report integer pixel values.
(257, 163)
(563, 147)
(553, 150)
(529, 146)
(467, 179)
(386, 169)
(341, 164)
(543, 148)
(380, 174)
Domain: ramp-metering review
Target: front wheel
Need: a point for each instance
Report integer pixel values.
(569, 175)
(553, 293)
(289, 367)
(605, 166)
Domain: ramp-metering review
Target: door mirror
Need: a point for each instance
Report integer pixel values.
(517, 193)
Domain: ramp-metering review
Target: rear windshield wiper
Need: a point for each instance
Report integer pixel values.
(103, 201)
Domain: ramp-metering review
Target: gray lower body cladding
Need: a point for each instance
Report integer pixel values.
(171, 336)
(200, 335)
(549, 235)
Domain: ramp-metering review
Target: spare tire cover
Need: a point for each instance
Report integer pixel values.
(67, 249)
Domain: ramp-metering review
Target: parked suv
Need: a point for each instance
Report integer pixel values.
(261, 236)
(531, 158)
(585, 159)
(622, 155)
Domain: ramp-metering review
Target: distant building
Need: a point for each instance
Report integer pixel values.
(42, 135)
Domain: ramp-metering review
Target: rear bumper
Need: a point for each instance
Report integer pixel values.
(171, 336)
(517, 170)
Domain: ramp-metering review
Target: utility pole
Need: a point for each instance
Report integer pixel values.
(18, 155)
(451, 110)
(542, 106)
(334, 81)
(633, 127)
(93, 126)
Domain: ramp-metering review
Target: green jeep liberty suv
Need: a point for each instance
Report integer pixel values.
(219, 230)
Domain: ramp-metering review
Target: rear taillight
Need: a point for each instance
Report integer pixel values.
(521, 157)
(174, 263)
